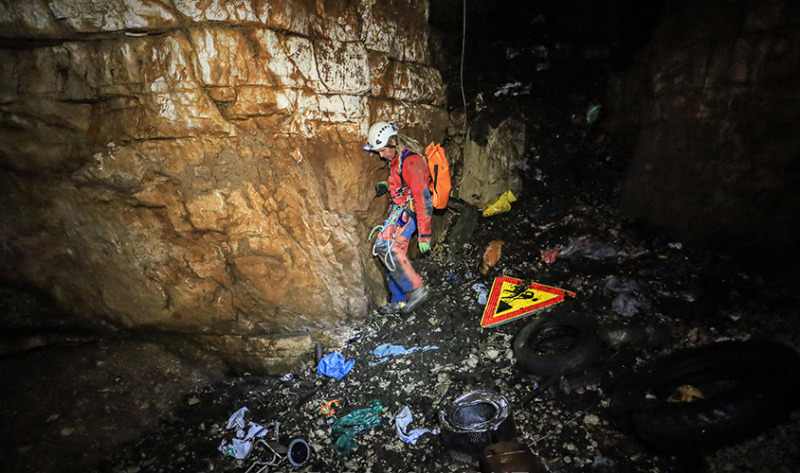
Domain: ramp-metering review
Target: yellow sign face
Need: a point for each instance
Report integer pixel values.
(511, 298)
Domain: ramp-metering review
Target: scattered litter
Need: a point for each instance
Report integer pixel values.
(246, 433)
(589, 249)
(403, 419)
(675, 246)
(317, 352)
(628, 306)
(513, 88)
(287, 377)
(491, 255)
(482, 293)
(345, 429)
(193, 400)
(334, 366)
(621, 286)
(499, 204)
(593, 113)
(509, 456)
(297, 453)
(387, 349)
(327, 408)
(686, 393)
(452, 277)
(549, 256)
(473, 421)
(601, 461)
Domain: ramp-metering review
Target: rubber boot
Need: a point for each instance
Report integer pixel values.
(415, 299)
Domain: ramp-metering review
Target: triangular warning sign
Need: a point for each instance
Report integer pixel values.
(511, 298)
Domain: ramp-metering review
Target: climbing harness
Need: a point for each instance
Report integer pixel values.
(399, 215)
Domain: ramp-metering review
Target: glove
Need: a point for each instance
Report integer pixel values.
(381, 188)
(424, 246)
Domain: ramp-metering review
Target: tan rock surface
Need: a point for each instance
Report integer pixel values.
(196, 167)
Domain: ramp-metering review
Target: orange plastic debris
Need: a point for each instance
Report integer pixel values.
(550, 256)
(327, 408)
(492, 254)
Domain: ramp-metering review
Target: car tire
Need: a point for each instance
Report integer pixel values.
(558, 345)
(746, 387)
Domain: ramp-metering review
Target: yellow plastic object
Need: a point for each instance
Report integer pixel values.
(499, 204)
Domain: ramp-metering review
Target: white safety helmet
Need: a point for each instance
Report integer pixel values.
(379, 134)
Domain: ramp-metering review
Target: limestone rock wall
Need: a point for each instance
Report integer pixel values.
(711, 114)
(197, 167)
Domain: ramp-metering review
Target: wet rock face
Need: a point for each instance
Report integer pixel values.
(197, 166)
(714, 107)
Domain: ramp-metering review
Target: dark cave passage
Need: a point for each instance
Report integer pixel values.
(188, 205)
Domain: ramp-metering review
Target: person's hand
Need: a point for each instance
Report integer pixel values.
(424, 246)
(381, 188)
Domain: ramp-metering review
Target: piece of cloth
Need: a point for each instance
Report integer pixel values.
(482, 294)
(247, 432)
(403, 419)
(334, 366)
(628, 306)
(345, 429)
(387, 349)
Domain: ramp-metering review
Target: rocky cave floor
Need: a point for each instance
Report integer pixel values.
(125, 404)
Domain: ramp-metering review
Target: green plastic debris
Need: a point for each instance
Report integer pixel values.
(345, 429)
(593, 113)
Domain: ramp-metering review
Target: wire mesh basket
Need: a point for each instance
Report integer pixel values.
(473, 421)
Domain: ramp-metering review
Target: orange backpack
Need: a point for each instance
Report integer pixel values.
(440, 174)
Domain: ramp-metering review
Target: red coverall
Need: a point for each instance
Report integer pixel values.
(411, 210)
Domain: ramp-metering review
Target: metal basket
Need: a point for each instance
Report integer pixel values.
(473, 421)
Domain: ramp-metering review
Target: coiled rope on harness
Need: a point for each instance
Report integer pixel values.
(394, 218)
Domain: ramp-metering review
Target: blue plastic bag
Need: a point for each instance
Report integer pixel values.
(334, 366)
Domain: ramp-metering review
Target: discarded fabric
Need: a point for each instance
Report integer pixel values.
(345, 429)
(621, 286)
(589, 249)
(628, 306)
(482, 293)
(246, 433)
(334, 366)
(492, 255)
(387, 349)
(593, 113)
(499, 204)
(549, 256)
(403, 419)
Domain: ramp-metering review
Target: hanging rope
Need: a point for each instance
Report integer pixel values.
(463, 47)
